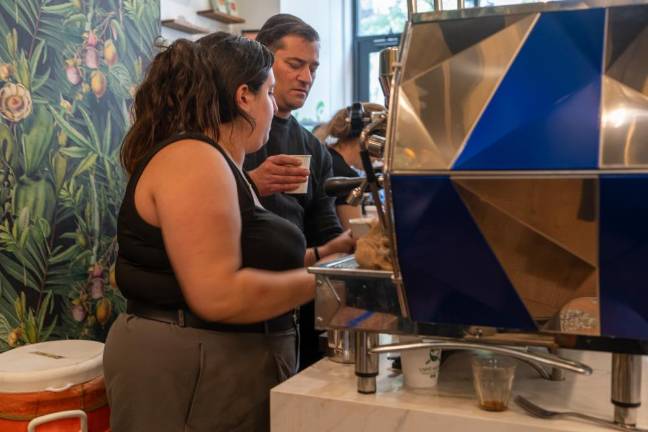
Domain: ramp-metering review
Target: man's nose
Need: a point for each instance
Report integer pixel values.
(306, 76)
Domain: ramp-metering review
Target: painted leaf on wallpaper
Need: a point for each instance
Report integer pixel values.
(68, 72)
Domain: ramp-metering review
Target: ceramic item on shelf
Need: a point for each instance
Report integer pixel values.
(219, 5)
(232, 7)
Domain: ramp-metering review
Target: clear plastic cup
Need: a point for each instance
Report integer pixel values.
(493, 380)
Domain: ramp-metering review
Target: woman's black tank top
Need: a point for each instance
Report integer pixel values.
(143, 270)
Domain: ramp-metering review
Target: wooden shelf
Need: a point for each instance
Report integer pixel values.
(222, 17)
(184, 26)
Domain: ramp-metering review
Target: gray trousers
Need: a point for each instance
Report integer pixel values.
(165, 378)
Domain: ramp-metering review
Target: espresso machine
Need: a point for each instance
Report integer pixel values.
(515, 148)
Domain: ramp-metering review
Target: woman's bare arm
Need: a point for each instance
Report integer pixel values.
(193, 192)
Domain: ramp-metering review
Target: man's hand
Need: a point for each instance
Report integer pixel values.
(344, 243)
(278, 173)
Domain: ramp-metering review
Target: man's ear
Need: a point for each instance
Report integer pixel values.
(244, 97)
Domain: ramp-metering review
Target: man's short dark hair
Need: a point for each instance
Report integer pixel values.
(281, 25)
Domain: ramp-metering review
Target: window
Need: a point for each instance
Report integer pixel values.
(380, 17)
(428, 5)
(378, 24)
(366, 85)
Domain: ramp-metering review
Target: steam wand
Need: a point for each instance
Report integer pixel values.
(371, 179)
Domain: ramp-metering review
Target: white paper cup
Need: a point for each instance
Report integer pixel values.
(305, 163)
(360, 226)
(420, 367)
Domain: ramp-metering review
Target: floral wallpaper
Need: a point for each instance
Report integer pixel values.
(68, 71)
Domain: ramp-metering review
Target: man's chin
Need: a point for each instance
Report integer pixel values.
(288, 106)
(297, 102)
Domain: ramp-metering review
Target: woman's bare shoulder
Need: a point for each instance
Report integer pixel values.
(189, 157)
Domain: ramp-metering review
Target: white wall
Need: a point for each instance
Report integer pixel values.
(333, 86)
(331, 18)
(255, 12)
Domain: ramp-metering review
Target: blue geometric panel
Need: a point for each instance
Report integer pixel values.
(450, 274)
(623, 256)
(545, 113)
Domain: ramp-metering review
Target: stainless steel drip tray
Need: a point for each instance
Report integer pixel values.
(350, 297)
(347, 266)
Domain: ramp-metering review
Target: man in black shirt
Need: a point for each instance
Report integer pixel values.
(296, 48)
(312, 212)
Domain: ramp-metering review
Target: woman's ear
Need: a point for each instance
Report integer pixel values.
(244, 97)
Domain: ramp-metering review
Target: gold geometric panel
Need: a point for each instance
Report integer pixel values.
(562, 210)
(629, 34)
(428, 48)
(624, 125)
(546, 276)
(447, 99)
(433, 43)
(415, 146)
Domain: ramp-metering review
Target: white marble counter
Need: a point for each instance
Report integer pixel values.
(324, 398)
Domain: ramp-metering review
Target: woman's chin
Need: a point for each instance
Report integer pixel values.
(265, 140)
(258, 147)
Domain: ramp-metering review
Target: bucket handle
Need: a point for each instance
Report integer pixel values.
(59, 389)
(83, 418)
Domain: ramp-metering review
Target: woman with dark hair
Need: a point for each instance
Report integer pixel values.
(345, 153)
(211, 278)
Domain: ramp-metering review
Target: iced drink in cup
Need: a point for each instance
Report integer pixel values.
(305, 163)
(493, 380)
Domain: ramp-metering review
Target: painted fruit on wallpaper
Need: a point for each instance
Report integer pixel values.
(68, 70)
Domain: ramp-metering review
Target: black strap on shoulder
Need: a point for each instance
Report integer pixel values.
(195, 136)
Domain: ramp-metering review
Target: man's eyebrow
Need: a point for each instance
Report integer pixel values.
(302, 61)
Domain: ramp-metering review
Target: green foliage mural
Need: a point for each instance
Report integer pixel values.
(68, 70)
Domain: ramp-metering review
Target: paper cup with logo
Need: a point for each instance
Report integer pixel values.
(305, 163)
(421, 366)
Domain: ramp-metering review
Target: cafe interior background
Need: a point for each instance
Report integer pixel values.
(68, 71)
